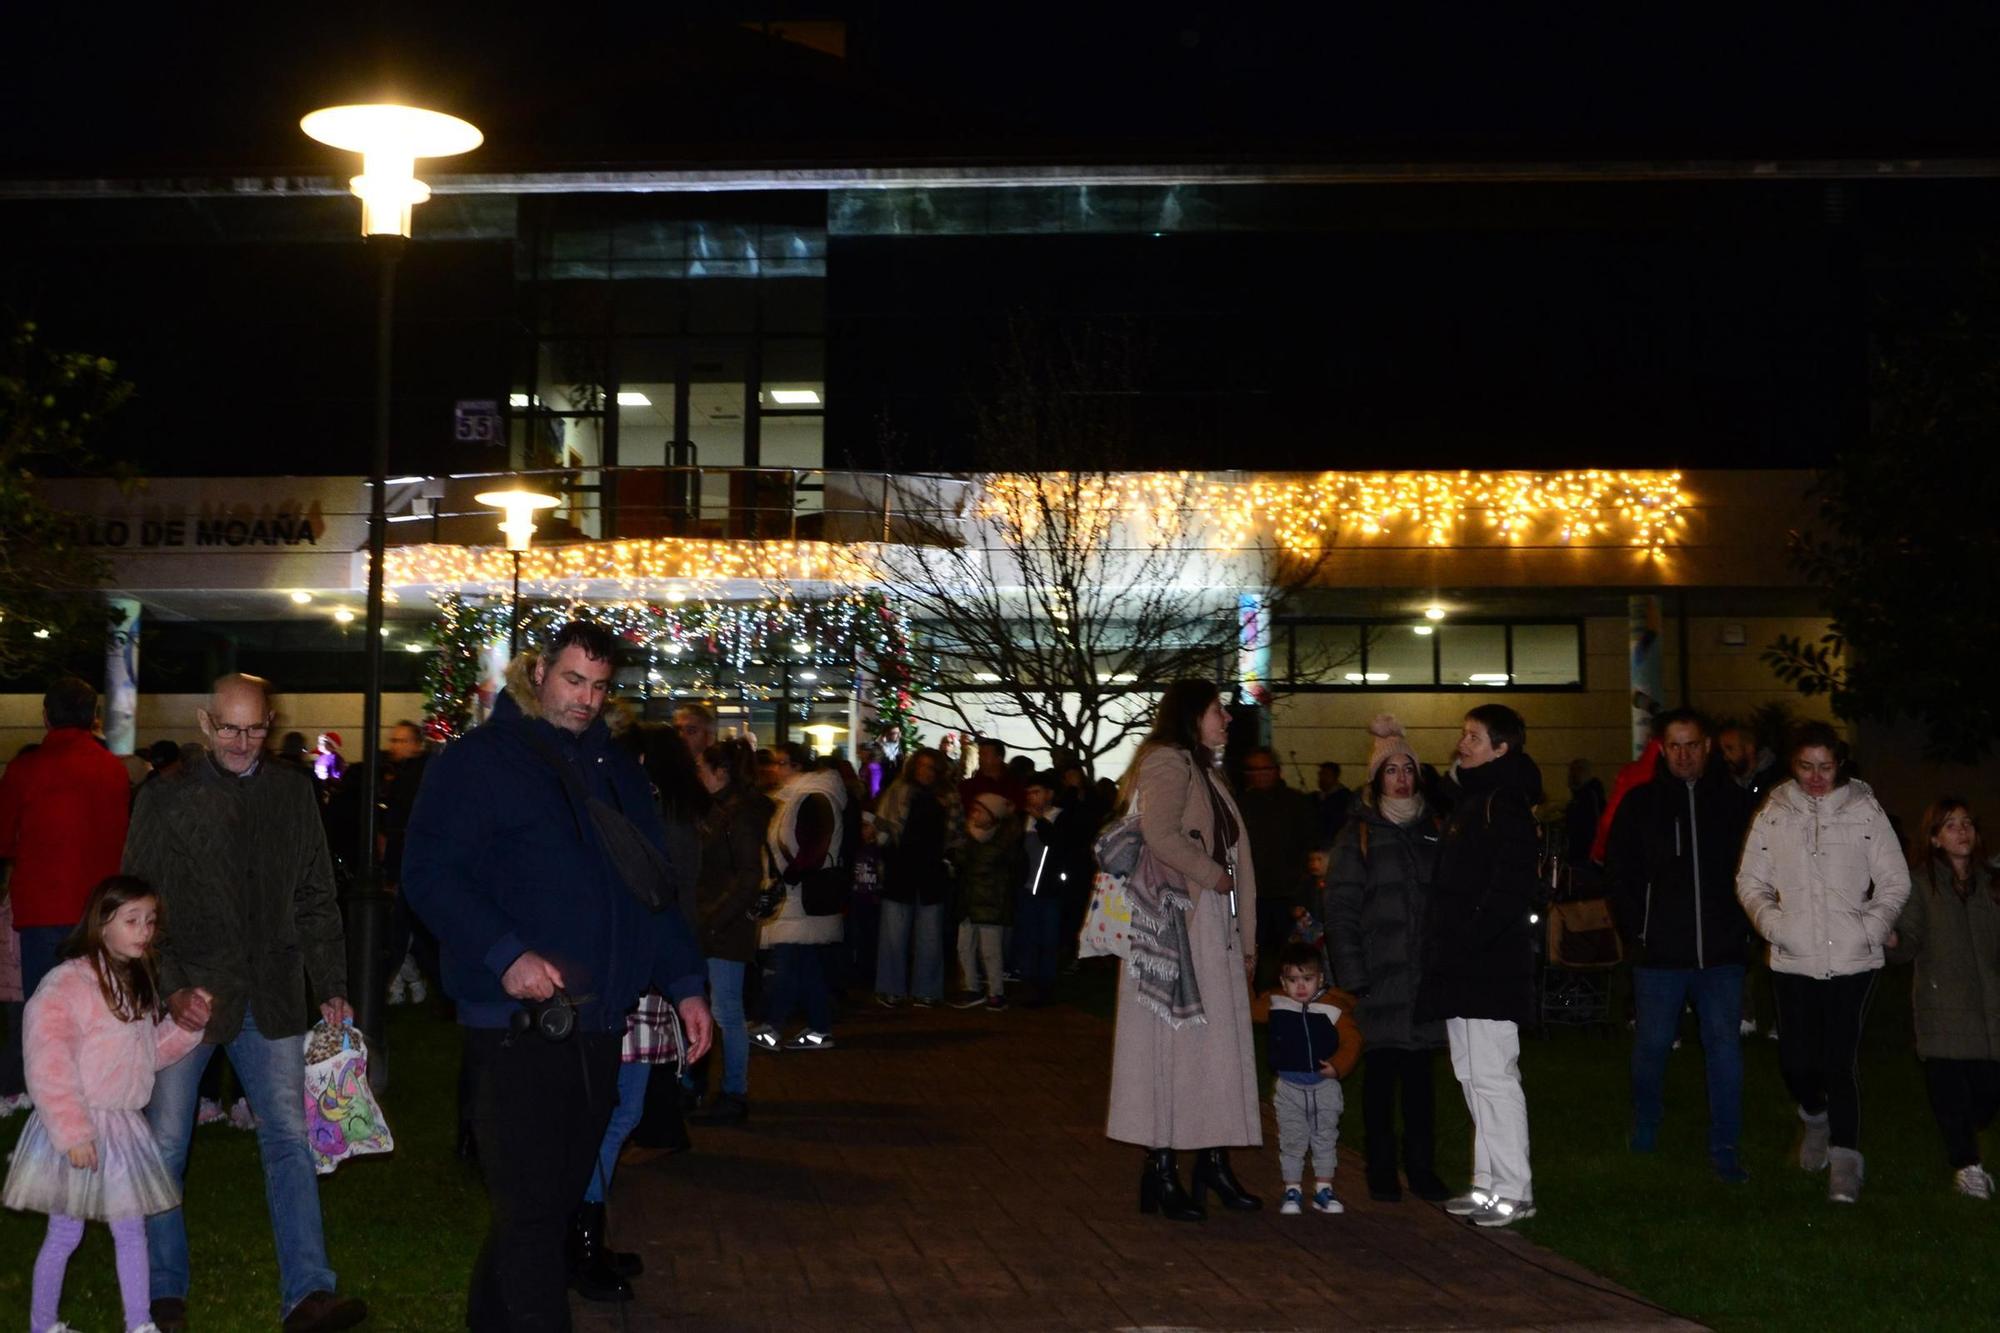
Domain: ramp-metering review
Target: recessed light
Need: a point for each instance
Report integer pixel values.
(518, 400)
(1487, 678)
(1423, 630)
(1372, 678)
(809, 675)
(801, 647)
(795, 397)
(302, 597)
(413, 647)
(1433, 613)
(633, 398)
(344, 616)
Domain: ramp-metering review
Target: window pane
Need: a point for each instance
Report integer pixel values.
(1322, 654)
(1399, 655)
(1472, 655)
(1547, 655)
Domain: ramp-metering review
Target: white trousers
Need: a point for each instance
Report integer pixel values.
(1486, 1058)
(981, 947)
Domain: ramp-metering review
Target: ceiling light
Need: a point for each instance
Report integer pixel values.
(808, 675)
(633, 398)
(676, 597)
(413, 647)
(1372, 678)
(343, 616)
(41, 634)
(1423, 631)
(518, 400)
(990, 677)
(801, 647)
(676, 649)
(795, 397)
(385, 631)
(1487, 678)
(301, 597)
(1433, 613)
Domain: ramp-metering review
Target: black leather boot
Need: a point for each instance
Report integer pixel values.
(1160, 1190)
(594, 1273)
(1211, 1172)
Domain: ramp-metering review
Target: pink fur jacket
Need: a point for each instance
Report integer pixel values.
(80, 1056)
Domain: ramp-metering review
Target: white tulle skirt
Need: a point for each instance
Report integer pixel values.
(130, 1179)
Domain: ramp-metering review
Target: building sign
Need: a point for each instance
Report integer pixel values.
(277, 524)
(476, 421)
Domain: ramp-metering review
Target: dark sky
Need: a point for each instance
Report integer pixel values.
(220, 87)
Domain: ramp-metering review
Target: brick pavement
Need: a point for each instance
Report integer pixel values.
(949, 1170)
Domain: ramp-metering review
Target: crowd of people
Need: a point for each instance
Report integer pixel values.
(603, 899)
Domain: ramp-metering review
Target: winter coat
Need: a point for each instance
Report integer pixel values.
(1955, 943)
(82, 1057)
(1637, 773)
(1298, 1037)
(1823, 880)
(732, 872)
(988, 873)
(1283, 827)
(1071, 865)
(247, 908)
(498, 862)
(805, 833)
(1177, 820)
(913, 829)
(1479, 946)
(1378, 888)
(1671, 867)
(63, 814)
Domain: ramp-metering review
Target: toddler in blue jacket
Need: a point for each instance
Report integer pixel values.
(1313, 1044)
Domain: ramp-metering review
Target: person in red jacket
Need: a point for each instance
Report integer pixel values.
(1635, 774)
(63, 811)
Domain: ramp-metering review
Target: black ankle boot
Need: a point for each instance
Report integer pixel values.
(594, 1273)
(1211, 1172)
(1160, 1190)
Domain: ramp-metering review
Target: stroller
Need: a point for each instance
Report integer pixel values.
(1581, 950)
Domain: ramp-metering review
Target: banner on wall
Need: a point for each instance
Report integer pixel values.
(121, 677)
(1253, 649)
(1642, 616)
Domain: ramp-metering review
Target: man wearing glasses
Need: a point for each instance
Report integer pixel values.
(238, 856)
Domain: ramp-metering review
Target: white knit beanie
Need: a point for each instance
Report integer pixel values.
(1389, 742)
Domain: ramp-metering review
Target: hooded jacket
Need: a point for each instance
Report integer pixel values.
(1300, 1036)
(1955, 987)
(1671, 863)
(1479, 947)
(1823, 880)
(806, 832)
(498, 863)
(63, 811)
(1378, 889)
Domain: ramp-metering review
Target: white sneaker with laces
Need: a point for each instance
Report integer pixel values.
(1293, 1202)
(1503, 1213)
(1468, 1203)
(1973, 1182)
(1324, 1202)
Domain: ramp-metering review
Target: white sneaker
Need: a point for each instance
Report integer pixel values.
(1973, 1182)
(808, 1040)
(1292, 1205)
(1503, 1213)
(1324, 1202)
(1468, 1203)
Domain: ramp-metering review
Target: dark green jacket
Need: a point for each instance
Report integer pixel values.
(1956, 947)
(247, 907)
(988, 873)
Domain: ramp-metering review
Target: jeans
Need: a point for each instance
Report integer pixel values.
(892, 955)
(800, 979)
(981, 946)
(1038, 935)
(272, 1071)
(540, 1114)
(1658, 995)
(39, 946)
(1819, 1045)
(1486, 1058)
(732, 1033)
(1965, 1095)
(632, 1080)
(1392, 1072)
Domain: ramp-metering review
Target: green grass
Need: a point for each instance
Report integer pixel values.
(401, 1229)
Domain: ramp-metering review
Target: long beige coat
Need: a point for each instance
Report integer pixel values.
(1195, 1086)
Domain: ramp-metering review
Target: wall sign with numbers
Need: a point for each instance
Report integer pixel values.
(476, 421)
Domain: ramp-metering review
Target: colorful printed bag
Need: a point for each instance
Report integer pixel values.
(343, 1119)
(1107, 925)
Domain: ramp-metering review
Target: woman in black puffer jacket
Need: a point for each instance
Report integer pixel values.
(1377, 888)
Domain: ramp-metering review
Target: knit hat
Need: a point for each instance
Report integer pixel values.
(1389, 743)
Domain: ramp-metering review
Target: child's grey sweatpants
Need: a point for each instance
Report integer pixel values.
(1308, 1118)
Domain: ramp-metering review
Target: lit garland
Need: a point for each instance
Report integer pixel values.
(632, 565)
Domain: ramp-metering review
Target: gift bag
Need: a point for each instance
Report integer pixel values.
(343, 1119)
(1107, 924)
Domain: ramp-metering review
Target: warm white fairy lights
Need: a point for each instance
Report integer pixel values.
(632, 566)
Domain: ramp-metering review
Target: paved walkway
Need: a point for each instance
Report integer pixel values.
(949, 1170)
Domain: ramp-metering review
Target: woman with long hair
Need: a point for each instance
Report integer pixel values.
(1823, 879)
(1183, 1074)
(1950, 928)
(916, 824)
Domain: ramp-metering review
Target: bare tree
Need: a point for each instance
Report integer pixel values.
(1064, 590)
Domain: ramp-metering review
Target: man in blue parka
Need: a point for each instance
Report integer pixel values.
(505, 863)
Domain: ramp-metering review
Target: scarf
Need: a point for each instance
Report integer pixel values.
(1401, 810)
(1162, 953)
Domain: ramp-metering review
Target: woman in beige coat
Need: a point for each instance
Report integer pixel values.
(1183, 1073)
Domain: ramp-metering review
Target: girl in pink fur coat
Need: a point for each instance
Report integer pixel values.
(96, 1031)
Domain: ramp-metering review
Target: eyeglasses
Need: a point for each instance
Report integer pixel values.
(227, 731)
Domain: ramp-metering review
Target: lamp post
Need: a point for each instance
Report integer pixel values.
(518, 506)
(390, 139)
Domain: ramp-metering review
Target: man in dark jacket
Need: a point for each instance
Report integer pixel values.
(530, 909)
(1479, 969)
(1283, 826)
(247, 913)
(1671, 863)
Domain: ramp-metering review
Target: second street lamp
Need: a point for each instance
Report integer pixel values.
(518, 507)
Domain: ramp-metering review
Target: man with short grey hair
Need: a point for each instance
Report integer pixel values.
(237, 855)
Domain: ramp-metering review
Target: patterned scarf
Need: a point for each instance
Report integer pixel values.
(1162, 957)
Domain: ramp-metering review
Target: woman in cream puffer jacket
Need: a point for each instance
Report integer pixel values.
(1823, 879)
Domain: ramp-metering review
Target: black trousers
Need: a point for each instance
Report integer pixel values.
(1819, 1041)
(1387, 1076)
(1965, 1095)
(540, 1110)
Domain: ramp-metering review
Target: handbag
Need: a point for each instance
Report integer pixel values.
(1107, 923)
(653, 1033)
(1583, 936)
(343, 1119)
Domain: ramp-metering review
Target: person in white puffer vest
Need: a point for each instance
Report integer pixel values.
(1823, 879)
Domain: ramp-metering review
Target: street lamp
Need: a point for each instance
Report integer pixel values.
(390, 139)
(517, 506)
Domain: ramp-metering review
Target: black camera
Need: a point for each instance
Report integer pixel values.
(552, 1019)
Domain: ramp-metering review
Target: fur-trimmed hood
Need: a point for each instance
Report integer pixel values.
(619, 717)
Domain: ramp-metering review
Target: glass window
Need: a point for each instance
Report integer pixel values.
(1547, 655)
(1472, 655)
(1399, 655)
(1323, 654)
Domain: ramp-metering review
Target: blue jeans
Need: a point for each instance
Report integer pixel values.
(273, 1074)
(800, 979)
(1658, 994)
(632, 1080)
(732, 1033)
(892, 953)
(39, 946)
